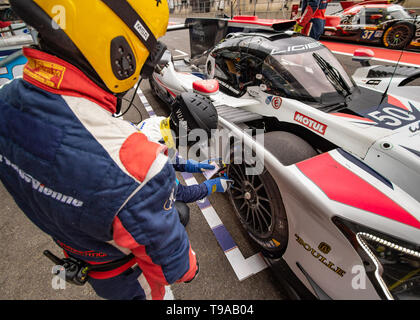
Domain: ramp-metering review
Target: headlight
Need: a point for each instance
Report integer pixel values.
(392, 265)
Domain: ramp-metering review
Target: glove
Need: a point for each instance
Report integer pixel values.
(298, 28)
(195, 166)
(221, 184)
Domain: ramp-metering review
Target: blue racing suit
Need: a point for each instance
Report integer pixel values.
(95, 184)
(313, 17)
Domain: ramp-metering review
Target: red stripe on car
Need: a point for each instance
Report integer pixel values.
(342, 185)
(395, 102)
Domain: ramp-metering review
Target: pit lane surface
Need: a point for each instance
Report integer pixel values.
(26, 274)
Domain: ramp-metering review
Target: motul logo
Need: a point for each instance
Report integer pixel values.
(310, 123)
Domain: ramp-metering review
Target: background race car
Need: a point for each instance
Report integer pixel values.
(389, 25)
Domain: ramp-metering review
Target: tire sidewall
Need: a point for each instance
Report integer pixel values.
(274, 243)
(394, 26)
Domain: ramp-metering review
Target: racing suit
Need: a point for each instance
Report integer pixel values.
(95, 184)
(151, 128)
(313, 17)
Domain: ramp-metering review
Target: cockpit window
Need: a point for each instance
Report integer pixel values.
(236, 70)
(296, 76)
(299, 76)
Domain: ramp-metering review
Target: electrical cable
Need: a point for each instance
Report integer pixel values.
(132, 103)
(395, 69)
(137, 109)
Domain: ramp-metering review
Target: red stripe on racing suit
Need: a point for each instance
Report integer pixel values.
(153, 272)
(312, 9)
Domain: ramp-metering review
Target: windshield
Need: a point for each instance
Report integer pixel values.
(299, 76)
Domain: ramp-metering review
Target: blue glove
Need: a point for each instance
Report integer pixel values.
(195, 166)
(221, 184)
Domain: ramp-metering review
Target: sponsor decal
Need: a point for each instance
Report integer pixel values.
(268, 100)
(310, 123)
(325, 249)
(47, 73)
(298, 48)
(228, 87)
(393, 114)
(40, 187)
(141, 30)
(379, 34)
(370, 32)
(90, 253)
(367, 34)
(414, 127)
(276, 102)
(374, 82)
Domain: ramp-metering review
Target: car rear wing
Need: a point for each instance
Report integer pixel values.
(205, 33)
(347, 4)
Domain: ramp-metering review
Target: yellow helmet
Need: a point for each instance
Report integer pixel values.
(113, 40)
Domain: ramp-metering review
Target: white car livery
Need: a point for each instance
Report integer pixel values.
(337, 208)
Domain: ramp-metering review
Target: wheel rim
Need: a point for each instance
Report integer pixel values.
(398, 36)
(251, 201)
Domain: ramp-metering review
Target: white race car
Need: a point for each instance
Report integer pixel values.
(337, 207)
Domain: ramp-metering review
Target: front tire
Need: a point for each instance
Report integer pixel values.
(398, 36)
(257, 200)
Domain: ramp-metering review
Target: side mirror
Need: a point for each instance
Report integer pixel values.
(363, 56)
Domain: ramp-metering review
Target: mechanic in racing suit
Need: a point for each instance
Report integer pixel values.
(94, 183)
(312, 21)
(199, 113)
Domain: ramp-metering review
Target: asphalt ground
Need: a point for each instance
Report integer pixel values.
(26, 274)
